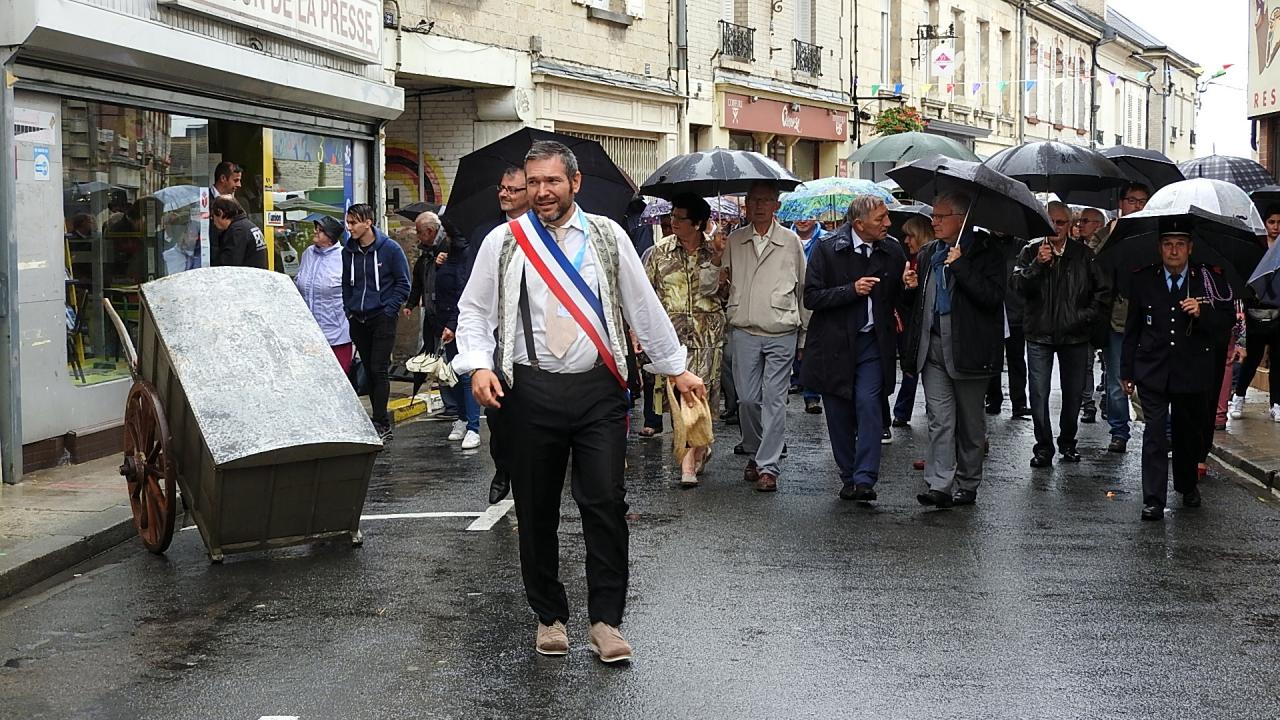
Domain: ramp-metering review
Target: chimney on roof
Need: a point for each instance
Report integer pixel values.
(1096, 7)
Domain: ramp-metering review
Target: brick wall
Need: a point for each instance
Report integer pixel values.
(448, 133)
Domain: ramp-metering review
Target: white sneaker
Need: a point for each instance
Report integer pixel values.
(472, 439)
(458, 430)
(1236, 409)
(1275, 413)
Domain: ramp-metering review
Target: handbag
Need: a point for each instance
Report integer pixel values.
(1263, 320)
(434, 365)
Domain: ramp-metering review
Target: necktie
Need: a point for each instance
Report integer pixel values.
(1175, 283)
(865, 251)
(562, 329)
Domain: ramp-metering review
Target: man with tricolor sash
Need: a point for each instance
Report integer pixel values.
(557, 285)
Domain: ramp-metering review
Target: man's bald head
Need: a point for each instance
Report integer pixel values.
(427, 225)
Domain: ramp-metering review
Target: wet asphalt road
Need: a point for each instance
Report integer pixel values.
(1049, 599)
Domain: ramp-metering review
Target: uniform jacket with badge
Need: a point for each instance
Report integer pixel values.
(838, 312)
(1164, 347)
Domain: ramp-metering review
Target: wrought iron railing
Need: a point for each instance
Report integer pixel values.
(737, 42)
(806, 58)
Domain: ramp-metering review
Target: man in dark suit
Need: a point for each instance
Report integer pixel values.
(851, 287)
(1168, 355)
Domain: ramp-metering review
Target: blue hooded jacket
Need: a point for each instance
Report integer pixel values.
(375, 280)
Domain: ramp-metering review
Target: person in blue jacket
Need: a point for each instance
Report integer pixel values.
(375, 284)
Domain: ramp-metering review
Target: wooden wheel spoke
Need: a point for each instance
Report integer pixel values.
(148, 467)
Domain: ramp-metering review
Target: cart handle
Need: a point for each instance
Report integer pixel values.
(130, 353)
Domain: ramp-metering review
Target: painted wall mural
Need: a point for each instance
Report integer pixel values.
(402, 175)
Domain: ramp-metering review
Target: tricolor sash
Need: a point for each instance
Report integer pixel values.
(566, 283)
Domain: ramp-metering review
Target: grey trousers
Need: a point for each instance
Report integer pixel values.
(957, 426)
(762, 374)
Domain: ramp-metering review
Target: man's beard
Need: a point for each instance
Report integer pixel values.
(562, 208)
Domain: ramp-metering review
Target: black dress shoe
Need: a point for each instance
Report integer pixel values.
(499, 487)
(864, 493)
(1152, 512)
(993, 409)
(739, 450)
(1118, 444)
(1071, 455)
(1089, 417)
(1191, 498)
(1022, 413)
(899, 422)
(1041, 461)
(813, 407)
(936, 498)
(964, 497)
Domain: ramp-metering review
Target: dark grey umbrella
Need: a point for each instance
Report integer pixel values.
(1149, 167)
(1000, 203)
(716, 172)
(908, 146)
(1265, 198)
(899, 214)
(1055, 167)
(1242, 172)
(1219, 240)
(413, 210)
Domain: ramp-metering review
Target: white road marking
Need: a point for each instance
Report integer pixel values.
(490, 517)
(406, 516)
(278, 717)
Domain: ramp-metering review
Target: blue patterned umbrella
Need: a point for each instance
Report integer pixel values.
(827, 198)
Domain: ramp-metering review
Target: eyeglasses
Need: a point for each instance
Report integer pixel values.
(935, 216)
(677, 218)
(510, 190)
(1135, 200)
(1060, 222)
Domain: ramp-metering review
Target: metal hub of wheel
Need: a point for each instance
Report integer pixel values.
(149, 467)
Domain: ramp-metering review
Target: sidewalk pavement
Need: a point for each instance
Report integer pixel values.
(1251, 445)
(57, 518)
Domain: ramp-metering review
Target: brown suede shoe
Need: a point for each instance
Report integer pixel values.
(552, 639)
(751, 473)
(607, 642)
(768, 482)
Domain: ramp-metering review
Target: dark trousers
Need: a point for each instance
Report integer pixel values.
(905, 401)
(652, 419)
(1209, 411)
(1184, 412)
(549, 418)
(1258, 343)
(1071, 364)
(728, 391)
(374, 338)
(856, 425)
(1015, 357)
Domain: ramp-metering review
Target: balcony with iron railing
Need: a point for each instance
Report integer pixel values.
(737, 42)
(806, 58)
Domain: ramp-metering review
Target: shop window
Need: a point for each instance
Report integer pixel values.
(741, 141)
(804, 158)
(312, 176)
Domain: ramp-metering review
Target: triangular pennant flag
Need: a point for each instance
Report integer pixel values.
(924, 89)
(875, 89)
(976, 87)
(897, 89)
(1199, 70)
(1143, 75)
(1220, 73)
(951, 87)
(1002, 85)
(1030, 84)
(1112, 77)
(1227, 66)
(1057, 82)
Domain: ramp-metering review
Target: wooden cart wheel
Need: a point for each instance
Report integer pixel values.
(149, 468)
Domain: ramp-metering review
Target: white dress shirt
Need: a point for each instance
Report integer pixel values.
(858, 243)
(478, 311)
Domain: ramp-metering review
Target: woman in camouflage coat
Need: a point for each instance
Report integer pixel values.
(684, 268)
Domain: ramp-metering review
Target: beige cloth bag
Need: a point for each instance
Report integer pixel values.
(690, 424)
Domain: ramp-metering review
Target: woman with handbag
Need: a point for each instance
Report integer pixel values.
(319, 280)
(1262, 331)
(451, 279)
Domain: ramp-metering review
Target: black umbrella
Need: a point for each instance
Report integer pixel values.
(412, 211)
(1241, 172)
(716, 172)
(899, 214)
(1149, 167)
(1219, 241)
(1265, 198)
(473, 200)
(1000, 203)
(1055, 167)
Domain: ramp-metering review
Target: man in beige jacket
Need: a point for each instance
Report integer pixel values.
(765, 263)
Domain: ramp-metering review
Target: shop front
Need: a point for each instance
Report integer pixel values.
(116, 165)
(1264, 85)
(805, 138)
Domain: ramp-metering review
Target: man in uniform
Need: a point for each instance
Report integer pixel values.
(1168, 356)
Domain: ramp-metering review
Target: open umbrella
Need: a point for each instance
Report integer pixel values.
(1215, 196)
(716, 172)
(1149, 167)
(909, 146)
(1219, 240)
(176, 196)
(411, 211)
(1000, 203)
(1265, 198)
(899, 214)
(473, 200)
(1242, 172)
(1049, 166)
(724, 208)
(827, 198)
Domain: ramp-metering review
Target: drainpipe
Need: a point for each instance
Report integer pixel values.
(683, 141)
(1108, 36)
(1022, 72)
(10, 338)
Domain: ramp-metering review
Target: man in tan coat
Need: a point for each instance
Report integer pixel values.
(765, 262)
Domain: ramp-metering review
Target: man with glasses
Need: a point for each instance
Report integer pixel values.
(1132, 199)
(1065, 292)
(766, 318)
(1086, 227)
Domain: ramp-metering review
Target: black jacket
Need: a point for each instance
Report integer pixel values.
(1064, 297)
(830, 348)
(451, 280)
(1164, 348)
(422, 289)
(977, 307)
(242, 245)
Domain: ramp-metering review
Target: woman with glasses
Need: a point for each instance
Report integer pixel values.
(684, 269)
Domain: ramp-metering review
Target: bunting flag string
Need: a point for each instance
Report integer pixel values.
(1001, 86)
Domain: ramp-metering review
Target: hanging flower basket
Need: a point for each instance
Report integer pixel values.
(896, 120)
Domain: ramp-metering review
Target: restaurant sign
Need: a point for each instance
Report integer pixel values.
(351, 28)
(757, 114)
